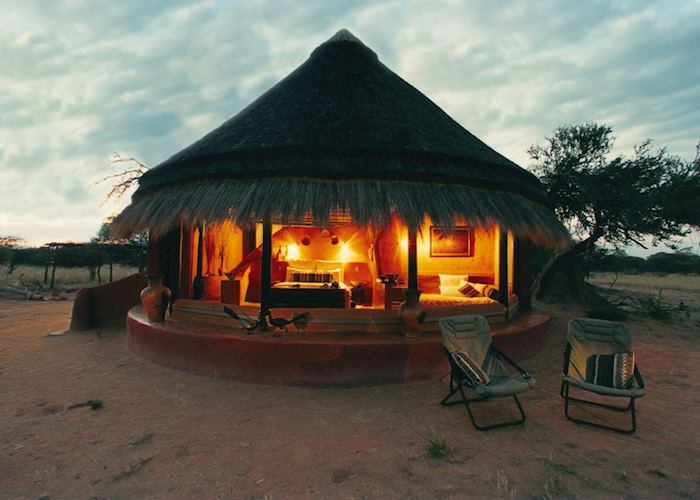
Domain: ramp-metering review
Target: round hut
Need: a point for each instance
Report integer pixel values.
(336, 196)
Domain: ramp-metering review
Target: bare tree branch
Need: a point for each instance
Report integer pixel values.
(124, 180)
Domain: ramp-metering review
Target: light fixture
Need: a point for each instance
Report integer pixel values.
(344, 253)
(292, 252)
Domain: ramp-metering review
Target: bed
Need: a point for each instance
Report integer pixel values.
(442, 291)
(312, 284)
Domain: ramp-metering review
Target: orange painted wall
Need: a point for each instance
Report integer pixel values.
(482, 263)
(353, 248)
(223, 248)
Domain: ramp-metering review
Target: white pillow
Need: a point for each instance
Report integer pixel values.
(330, 266)
(451, 291)
(453, 279)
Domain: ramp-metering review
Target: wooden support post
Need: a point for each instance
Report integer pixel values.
(185, 278)
(168, 261)
(524, 280)
(412, 259)
(198, 284)
(153, 265)
(503, 268)
(265, 274)
(200, 251)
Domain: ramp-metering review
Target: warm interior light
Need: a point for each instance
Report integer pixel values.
(404, 242)
(293, 252)
(344, 253)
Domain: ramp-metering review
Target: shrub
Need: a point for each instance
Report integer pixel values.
(600, 308)
(655, 308)
(437, 446)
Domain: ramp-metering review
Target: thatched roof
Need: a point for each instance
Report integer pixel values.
(342, 133)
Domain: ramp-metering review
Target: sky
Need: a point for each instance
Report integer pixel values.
(81, 80)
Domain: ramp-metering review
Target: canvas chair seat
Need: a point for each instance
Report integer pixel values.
(500, 386)
(634, 392)
(472, 336)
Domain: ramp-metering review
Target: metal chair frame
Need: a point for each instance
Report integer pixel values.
(459, 379)
(564, 393)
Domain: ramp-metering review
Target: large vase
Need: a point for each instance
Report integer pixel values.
(412, 313)
(155, 299)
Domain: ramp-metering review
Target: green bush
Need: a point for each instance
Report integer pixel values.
(654, 308)
(437, 446)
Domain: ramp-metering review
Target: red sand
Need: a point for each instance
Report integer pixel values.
(164, 433)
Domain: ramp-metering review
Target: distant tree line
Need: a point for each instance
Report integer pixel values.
(604, 260)
(101, 252)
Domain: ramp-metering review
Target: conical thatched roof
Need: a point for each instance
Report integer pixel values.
(342, 134)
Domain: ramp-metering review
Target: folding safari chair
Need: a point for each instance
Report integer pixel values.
(589, 337)
(470, 336)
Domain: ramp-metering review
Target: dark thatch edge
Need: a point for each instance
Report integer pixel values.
(366, 202)
(358, 164)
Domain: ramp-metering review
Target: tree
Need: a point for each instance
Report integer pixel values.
(124, 180)
(8, 246)
(622, 200)
(682, 261)
(129, 251)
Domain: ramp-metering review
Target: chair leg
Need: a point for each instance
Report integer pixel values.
(467, 403)
(630, 406)
(453, 390)
(445, 401)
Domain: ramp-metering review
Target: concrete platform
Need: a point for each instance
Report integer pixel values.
(321, 360)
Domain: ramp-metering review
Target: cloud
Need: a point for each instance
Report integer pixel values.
(83, 79)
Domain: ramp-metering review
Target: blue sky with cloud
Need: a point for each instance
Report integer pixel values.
(83, 79)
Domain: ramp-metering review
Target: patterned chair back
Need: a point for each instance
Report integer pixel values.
(588, 336)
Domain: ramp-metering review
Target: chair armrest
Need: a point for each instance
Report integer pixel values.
(638, 377)
(512, 363)
(567, 359)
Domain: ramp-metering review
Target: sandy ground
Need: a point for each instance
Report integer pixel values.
(167, 434)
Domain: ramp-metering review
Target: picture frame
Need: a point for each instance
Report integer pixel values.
(456, 242)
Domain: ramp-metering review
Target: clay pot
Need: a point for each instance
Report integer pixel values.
(212, 288)
(155, 299)
(412, 313)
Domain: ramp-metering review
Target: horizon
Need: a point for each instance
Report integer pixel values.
(96, 82)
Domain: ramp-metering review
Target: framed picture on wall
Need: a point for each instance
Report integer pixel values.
(457, 242)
